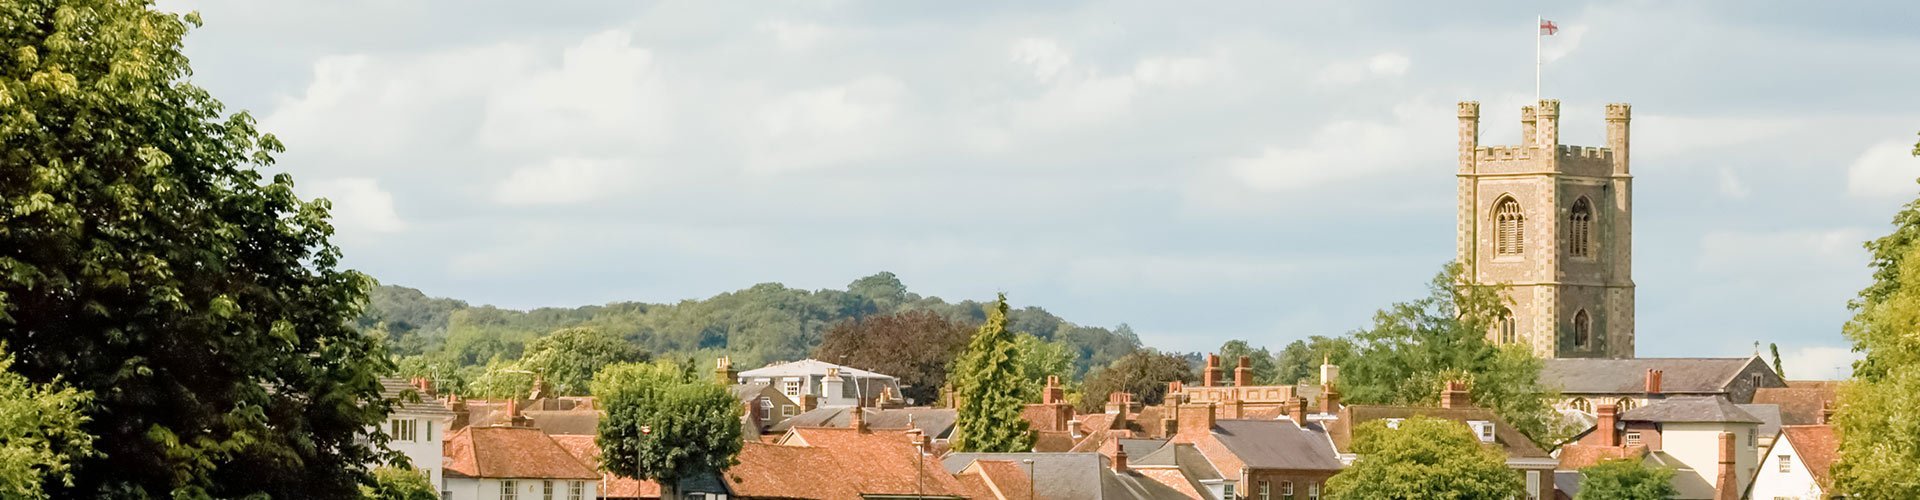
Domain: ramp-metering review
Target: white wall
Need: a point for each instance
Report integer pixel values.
(1697, 447)
(424, 450)
(530, 489)
(1796, 483)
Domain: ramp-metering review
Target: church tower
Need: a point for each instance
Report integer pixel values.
(1555, 224)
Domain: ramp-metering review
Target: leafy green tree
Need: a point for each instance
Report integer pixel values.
(991, 388)
(40, 432)
(1777, 369)
(1414, 348)
(500, 380)
(1262, 361)
(664, 422)
(1144, 373)
(1425, 458)
(1625, 480)
(568, 358)
(147, 258)
(883, 288)
(395, 483)
(1877, 446)
(916, 346)
(1300, 361)
(1040, 359)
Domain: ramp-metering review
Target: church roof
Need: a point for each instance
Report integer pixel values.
(1690, 409)
(1629, 376)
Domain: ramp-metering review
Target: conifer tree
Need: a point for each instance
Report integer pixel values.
(990, 390)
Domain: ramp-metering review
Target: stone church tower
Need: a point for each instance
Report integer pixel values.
(1555, 224)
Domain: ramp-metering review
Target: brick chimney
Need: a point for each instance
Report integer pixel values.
(1212, 376)
(1174, 390)
(1455, 395)
(1826, 413)
(724, 372)
(1727, 485)
(1243, 372)
(1195, 420)
(514, 417)
(1053, 394)
(1297, 410)
(1653, 383)
(1608, 419)
(918, 438)
(1329, 399)
(1120, 461)
(857, 419)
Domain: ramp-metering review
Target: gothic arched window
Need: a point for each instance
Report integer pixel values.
(1580, 229)
(1581, 404)
(1623, 404)
(1582, 328)
(1509, 330)
(1510, 227)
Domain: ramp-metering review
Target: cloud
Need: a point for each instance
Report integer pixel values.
(1382, 65)
(1046, 58)
(794, 36)
(1350, 148)
(1744, 252)
(1730, 185)
(1818, 363)
(1664, 136)
(1177, 71)
(359, 205)
(828, 126)
(603, 94)
(560, 181)
(1886, 169)
(1561, 43)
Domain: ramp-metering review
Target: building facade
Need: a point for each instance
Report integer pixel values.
(1554, 223)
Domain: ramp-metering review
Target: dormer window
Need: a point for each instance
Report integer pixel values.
(1510, 227)
(1483, 429)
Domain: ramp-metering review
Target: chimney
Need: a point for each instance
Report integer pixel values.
(1243, 373)
(1297, 410)
(724, 372)
(808, 402)
(426, 388)
(1170, 426)
(1195, 420)
(1609, 418)
(1053, 393)
(948, 395)
(1455, 395)
(1174, 390)
(460, 414)
(1726, 486)
(918, 438)
(857, 420)
(1826, 413)
(833, 387)
(1653, 383)
(1329, 399)
(1212, 376)
(514, 417)
(1328, 372)
(1120, 461)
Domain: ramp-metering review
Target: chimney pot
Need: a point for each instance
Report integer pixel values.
(1212, 376)
(1243, 374)
(1455, 395)
(1653, 382)
(1120, 461)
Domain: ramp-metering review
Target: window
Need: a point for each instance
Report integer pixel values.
(766, 408)
(793, 387)
(429, 430)
(403, 429)
(1533, 484)
(1786, 463)
(1265, 492)
(1581, 404)
(1483, 429)
(1633, 439)
(1753, 437)
(1509, 329)
(509, 490)
(577, 490)
(1582, 329)
(546, 487)
(1286, 488)
(1313, 491)
(1510, 227)
(788, 411)
(1624, 404)
(1580, 229)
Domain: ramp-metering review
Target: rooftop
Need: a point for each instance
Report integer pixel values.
(807, 367)
(511, 452)
(1708, 409)
(1629, 376)
(1277, 444)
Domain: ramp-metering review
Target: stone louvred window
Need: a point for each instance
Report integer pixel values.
(1509, 327)
(1580, 229)
(1582, 328)
(1510, 227)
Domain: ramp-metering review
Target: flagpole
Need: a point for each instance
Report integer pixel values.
(1537, 22)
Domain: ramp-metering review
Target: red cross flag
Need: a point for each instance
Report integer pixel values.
(1547, 27)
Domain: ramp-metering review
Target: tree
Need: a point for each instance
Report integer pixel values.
(991, 390)
(1264, 371)
(146, 258)
(569, 357)
(1777, 369)
(40, 432)
(916, 346)
(1877, 449)
(395, 483)
(1144, 373)
(1040, 359)
(883, 288)
(1625, 480)
(665, 422)
(500, 380)
(1414, 348)
(1300, 361)
(1423, 458)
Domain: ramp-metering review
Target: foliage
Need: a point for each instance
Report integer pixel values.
(991, 386)
(1878, 446)
(1415, 347)
(1144, 374)
(665, 421)
(1300, 361)
(395, 483)
(568, 358)
(1777, 369)
(1625, 480)
(1040, 359)
(1425, 458)
(916, 346)
(40, 432)
(1265, 372)
(500, 380)
(146, 258)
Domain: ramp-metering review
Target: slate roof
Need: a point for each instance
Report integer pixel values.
(1074, 476)
(1819, 448)
(511, 452)
(1276, 444)
(936, 422)
(1629, 376)
(1769, 416)
(1800, 402)
(747, 391)
(808, 367)
(1182, 455)
(1690, 409)
(408, 400)
(1516, 444)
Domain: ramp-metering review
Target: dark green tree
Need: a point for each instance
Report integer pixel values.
(1300, 361)
(1414, 348)
(1777, 369)
(991, 390)
(916, 346)
(1425, 458)
(568, 358)
(146, 257)
(1262, 361)
(1144, 374)
(40, 434)
(395, 483)
(1625, 480)
(665, 422)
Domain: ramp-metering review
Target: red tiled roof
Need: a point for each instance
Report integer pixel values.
(1052, 441)
(1818, 447)
(1798, 405)
(511, 452)
(1173, 478)
(587, 451)
(862, 463)
(1006, 478)
(1581, 456)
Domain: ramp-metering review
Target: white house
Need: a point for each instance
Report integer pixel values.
(833, 384)
(1798, 464)
(514, 463)
(417, 424)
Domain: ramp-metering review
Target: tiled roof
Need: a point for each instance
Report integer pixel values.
(936, 422)
(1580, 456)
(1276, 444)
(1052, 441)
(1629, 376)
(408, 400)
(879, 462)
(511, 452)
(1689, 409)
(1075, 475)
(1818, 447)
(1800, 403)
(566, 422)
(587, 451)
(808, 367)
(1516, 444)
(1006, 478)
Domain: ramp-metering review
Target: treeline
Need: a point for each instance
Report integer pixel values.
(765, 323)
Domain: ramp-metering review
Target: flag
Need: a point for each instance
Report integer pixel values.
(1547, 27)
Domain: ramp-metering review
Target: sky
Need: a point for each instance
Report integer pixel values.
(1202, 172)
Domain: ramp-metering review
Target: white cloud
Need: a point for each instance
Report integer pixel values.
(1661, 136)
(603, 94)
(1348, 149)
(1046, 58)
(1561, 43)
(1818, 363)
(563, 180)
(1177, 71)
(827, 126)
(1885, 169)
(1175, 274)
(384, 104)
(794, 36)
(359, 205)
(1731, 186)
(1744, 252)
(1382, 65)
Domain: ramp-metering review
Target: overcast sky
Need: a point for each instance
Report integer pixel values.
(1261, 170)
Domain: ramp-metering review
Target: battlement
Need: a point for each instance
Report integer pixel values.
(1505, 153)
(1619, 111)
(1586, 152)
